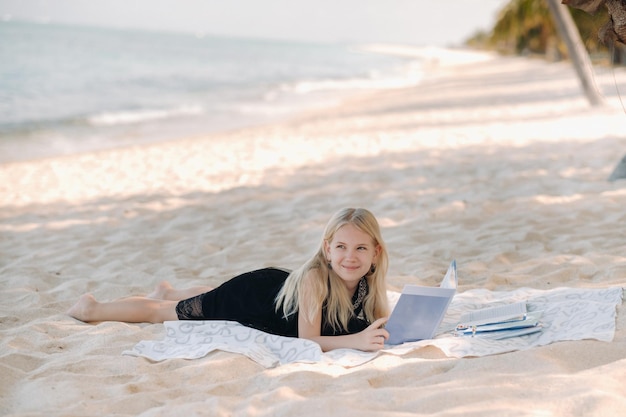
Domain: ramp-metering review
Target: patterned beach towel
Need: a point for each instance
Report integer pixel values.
(567, 314)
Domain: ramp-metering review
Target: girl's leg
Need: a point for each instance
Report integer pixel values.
(164, 291)
(129, 310)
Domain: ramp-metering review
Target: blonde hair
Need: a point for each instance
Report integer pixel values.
(327, 289)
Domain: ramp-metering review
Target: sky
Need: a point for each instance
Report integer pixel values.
(416, 22)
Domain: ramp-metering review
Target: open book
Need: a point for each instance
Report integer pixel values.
(420, 310)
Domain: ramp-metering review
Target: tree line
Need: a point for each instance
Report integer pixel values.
(526, 27)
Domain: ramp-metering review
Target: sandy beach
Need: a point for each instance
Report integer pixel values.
(499, 163)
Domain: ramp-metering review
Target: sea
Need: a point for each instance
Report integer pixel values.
(70, 89)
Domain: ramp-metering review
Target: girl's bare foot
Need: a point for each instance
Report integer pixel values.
(83, 308)
(161, 291)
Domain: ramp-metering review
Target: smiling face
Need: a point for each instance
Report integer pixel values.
(351, 253)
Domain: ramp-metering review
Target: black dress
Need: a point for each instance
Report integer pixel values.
(249, 299)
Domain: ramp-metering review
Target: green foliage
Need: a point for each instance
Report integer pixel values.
(527, 27)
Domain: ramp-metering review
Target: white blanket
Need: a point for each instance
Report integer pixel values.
(568, 314)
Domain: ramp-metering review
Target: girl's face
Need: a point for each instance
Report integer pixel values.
(351, 253)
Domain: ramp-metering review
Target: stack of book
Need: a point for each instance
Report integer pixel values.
(500, 322)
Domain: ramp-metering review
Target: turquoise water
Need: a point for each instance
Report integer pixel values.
(66, 89)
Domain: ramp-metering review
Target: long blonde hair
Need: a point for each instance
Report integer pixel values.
(329, 290)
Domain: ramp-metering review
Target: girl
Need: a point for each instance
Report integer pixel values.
(337, 298)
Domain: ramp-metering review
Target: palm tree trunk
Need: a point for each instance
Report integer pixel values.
(577, 52)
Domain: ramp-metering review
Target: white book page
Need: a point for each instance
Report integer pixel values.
(449, 280)
(494, 314)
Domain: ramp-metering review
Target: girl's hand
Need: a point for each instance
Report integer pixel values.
(373, 338)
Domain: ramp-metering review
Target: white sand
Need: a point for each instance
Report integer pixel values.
(499, 163)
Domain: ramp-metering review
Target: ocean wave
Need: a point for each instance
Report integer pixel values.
(139, 116)
(410, 76)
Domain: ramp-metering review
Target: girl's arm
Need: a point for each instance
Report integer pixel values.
(371, 339)
(310, 325)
